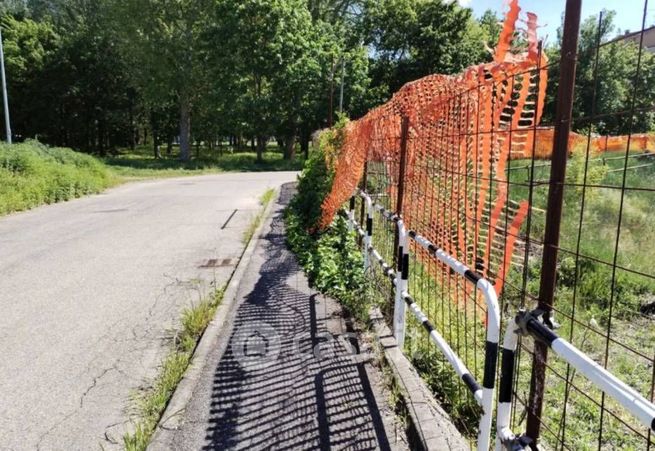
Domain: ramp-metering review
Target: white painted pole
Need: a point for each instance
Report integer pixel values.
(402, 285)
(4, 90)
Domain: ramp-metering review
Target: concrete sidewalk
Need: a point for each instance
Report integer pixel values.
(286, 373)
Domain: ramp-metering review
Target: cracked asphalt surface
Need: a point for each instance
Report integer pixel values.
(289, 373)
(91, 291)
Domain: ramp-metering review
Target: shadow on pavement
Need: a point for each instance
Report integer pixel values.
(289, 378)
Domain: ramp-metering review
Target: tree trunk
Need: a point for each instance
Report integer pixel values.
(101, 138)
(261, 146)
(290, 148)
(304, 143)
(169, 145)
(185, 128)
(155, 137)
(252, 144)
(155, 144)
(133, 130)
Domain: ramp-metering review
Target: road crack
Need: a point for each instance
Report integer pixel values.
(95, 383)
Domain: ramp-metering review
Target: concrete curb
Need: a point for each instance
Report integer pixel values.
(171, 419)
(430, 426)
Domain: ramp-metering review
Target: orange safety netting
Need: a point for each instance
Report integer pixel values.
(461, 131)
(542, 143)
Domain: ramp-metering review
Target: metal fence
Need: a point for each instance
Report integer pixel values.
(556, 213)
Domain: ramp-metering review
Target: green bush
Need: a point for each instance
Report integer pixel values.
(331, 258)
(314, 184)
(33, 174)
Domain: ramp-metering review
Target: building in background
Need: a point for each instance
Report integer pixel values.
(649, 38)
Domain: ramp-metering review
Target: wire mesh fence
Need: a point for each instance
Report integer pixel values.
(550, 197)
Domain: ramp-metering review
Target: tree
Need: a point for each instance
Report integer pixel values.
(491, 26)
(267, 51)
(162, 42)
(28, 47)
(89, 73)
(66, 78)
(614, 80)
(413, 39)
(335, 11)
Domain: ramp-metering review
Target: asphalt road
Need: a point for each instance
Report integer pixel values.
(285, 372)
(91, 290)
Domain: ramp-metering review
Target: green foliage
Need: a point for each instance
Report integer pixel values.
(66, 79)
(314, 184)
(102, 75)
(332, 261)
(255, 222)
(584, 169)
(32, 174)
(153, 403)
(607, 82)
(331, 258)
(163, 43)
(414, 39)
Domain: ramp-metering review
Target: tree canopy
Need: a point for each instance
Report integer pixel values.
(609, 76)
(104, 74)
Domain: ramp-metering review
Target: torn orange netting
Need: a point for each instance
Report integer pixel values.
(461, 131)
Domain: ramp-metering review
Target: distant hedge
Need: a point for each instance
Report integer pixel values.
(33, 174)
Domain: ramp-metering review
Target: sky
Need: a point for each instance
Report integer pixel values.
(628, 12)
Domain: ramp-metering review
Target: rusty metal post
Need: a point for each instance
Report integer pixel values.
(563, 113)
(397, 253)
(362, 213)
(404, 137)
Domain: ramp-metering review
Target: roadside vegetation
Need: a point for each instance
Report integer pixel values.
(256, 221)
(333, 262)
(331, 258)
(153, 402)
(33, 174)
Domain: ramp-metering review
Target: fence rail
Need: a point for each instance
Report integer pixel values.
(525, 323)
(452, 176)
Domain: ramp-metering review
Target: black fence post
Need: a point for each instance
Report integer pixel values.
(362, 213)
(404, 137)
(563, 113)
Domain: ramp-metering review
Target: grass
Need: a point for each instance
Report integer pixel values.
(584, 295)
(637, 241)
(140, 163)
(32, 174)
(153, 403)
(264, 200)
(583, 299)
